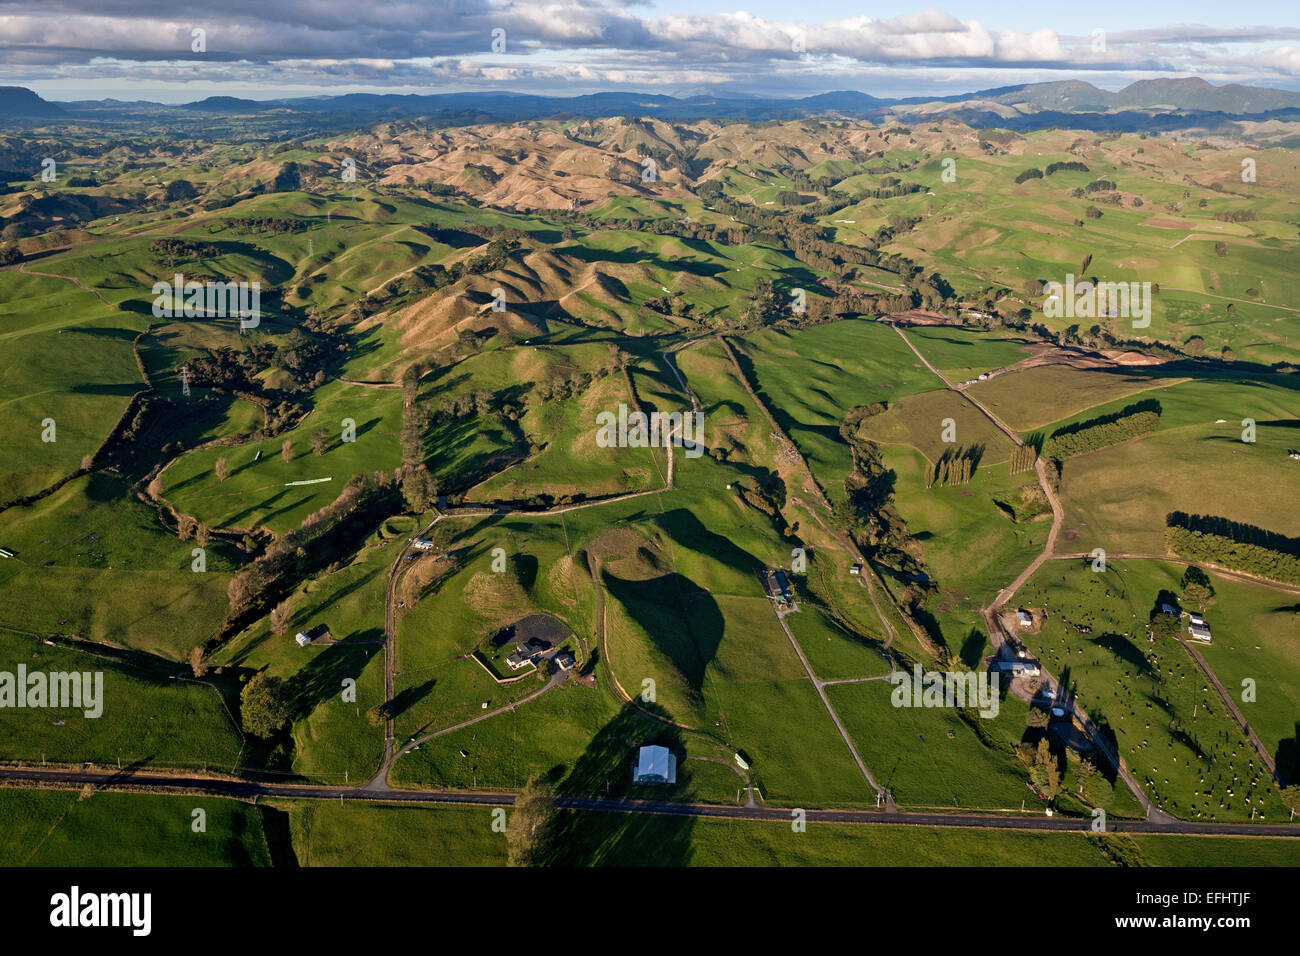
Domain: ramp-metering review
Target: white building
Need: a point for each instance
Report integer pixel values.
(1026, 619)
(1200, 633)
(655, 765)
(312, 635)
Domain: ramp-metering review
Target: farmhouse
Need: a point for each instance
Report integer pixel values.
(312, 635)
(778, 587)
(655, 765)
(518, 660)
(533, 646)
(422, 544)
(1168, 609)
(1200, 632)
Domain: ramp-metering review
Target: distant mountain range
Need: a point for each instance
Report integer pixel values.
(1145, 104)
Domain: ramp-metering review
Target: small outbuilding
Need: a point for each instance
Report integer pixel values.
(312, 635)
(655, 765)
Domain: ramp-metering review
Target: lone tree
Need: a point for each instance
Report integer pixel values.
(1198, 592)
(531, 830)
(198, 661)
(222, 468)
(418, 489)
(320, 440)
(286, 450)
(281, 616)
(1044, 772)
(264, 705)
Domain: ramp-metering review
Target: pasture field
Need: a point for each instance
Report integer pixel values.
(1032, 398)
(811, 378)
(1172, 727)
(325, 834)
(65, 356)
(971, 547)
(960, 354)
(260, 488)
(835, 652)
(69, 828)
(148, 715)
(924, 421)
(1117, 497)
(929, 757)
(93, 562)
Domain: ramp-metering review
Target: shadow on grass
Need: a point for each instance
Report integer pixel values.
(608, 838)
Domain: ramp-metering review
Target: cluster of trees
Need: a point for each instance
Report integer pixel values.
(265, 705)
(1061, 167)
(172, 250)
(1198, 590)
(1023, 458)
(1044, 767)
(1100, 186)
(1234, 545)
(1236, 215)
(890, 191)
(419, 491)
(867, 511)
(9, 255)
(1082, 437)
(492, 258)
(955, 466)
(315, 543)
(270, 225)
(1028, 174)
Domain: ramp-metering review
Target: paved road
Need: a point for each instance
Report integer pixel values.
(157, 782)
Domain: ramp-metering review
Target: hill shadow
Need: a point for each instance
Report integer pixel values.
(681, 618)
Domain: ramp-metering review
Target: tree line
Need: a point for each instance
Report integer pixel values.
(956, 466)
(1141, 418)
(1226, 552)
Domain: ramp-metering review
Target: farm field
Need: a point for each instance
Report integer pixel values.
(373, 540)
(329, 835)
(1170, 724)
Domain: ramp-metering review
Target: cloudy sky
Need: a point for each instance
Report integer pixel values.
(146, 49)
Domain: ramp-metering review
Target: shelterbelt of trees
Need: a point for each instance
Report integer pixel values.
(1233, 545)
(1140, 418)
